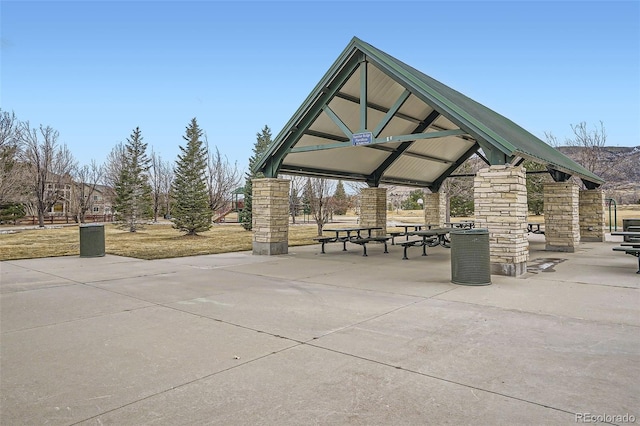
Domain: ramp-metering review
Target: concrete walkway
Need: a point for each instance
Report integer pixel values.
(319, 339)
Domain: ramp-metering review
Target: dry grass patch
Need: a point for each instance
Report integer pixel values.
(153, 242)
(35, 243)
(162, 241)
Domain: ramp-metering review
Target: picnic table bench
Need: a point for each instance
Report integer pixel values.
(465, 224)
(363, 242)
(352, 235)
(537, 230)
(325, 240)
(429, 238)
(424, 242)
(632, 246)
(406, 226)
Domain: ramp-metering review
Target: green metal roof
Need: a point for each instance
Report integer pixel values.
(416, 130)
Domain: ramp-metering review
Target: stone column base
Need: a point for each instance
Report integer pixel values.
(500, 200)
(373, 209)
(592, 239)
(270, 216)
(435, 208)
(270, 249)
(509, 269)
(565, 249)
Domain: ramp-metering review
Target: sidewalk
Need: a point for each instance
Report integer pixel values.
(323, 339)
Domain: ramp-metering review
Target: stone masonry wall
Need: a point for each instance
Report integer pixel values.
(591, 206)
(270, 213)
(500, 200)
(373, 209)
(435, 208)
(561, 217)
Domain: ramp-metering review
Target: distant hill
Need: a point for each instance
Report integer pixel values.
(619, 166)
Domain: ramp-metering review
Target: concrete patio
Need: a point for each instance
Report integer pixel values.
(306, 338)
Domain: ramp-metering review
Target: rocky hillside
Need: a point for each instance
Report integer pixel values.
(619, 166)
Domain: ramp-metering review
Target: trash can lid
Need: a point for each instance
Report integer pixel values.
(87, 225)
(475, 231)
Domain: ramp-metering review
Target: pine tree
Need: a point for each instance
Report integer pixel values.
(263, 140)
(411, 203)
(535, 185)
(191, 210)
(133, 193)
(340, 200)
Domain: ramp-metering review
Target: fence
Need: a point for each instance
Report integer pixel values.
(59, 219)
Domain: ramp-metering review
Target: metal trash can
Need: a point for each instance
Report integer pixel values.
(470, 261)
(92, 240)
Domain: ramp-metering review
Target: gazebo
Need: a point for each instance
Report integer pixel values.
(375, 119)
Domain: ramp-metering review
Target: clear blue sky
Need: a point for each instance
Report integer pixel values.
(94, 70)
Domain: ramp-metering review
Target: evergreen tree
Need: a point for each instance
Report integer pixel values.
(133, 192)
(340, 200)
(191, 210)
(535, 184)
(411, 203)
(263, 140)
(461, 206)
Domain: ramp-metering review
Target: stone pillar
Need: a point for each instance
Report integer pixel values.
(373, 209)
(435, 208)
(561, 226)
(591, 208)
(500, 201)
(270, 216)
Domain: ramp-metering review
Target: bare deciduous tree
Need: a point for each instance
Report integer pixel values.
(12, 172)
(85, 181)
(49, 166)
(160, 177)
(112, 168)
(166, 180)
(222, 179)
(114, 164)
(592, 141)
(318, 192)
(295, 195)
(589, 148)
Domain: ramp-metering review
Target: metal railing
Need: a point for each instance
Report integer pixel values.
(610, 202)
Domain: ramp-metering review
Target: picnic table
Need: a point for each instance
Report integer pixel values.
(537, 230)
(352, 235)
(631, 246)
(406, 226)
(429, 238)
(469, 224)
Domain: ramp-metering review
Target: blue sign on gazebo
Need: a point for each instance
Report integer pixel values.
(364, 138)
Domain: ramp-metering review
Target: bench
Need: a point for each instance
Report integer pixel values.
(631, 238)
(634, 251)
(394, 235)
(325, 240)
(413, 243)
(531, 225)
(363, 242)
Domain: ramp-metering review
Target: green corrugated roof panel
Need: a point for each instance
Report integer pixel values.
(479, 121)
(499, 130)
